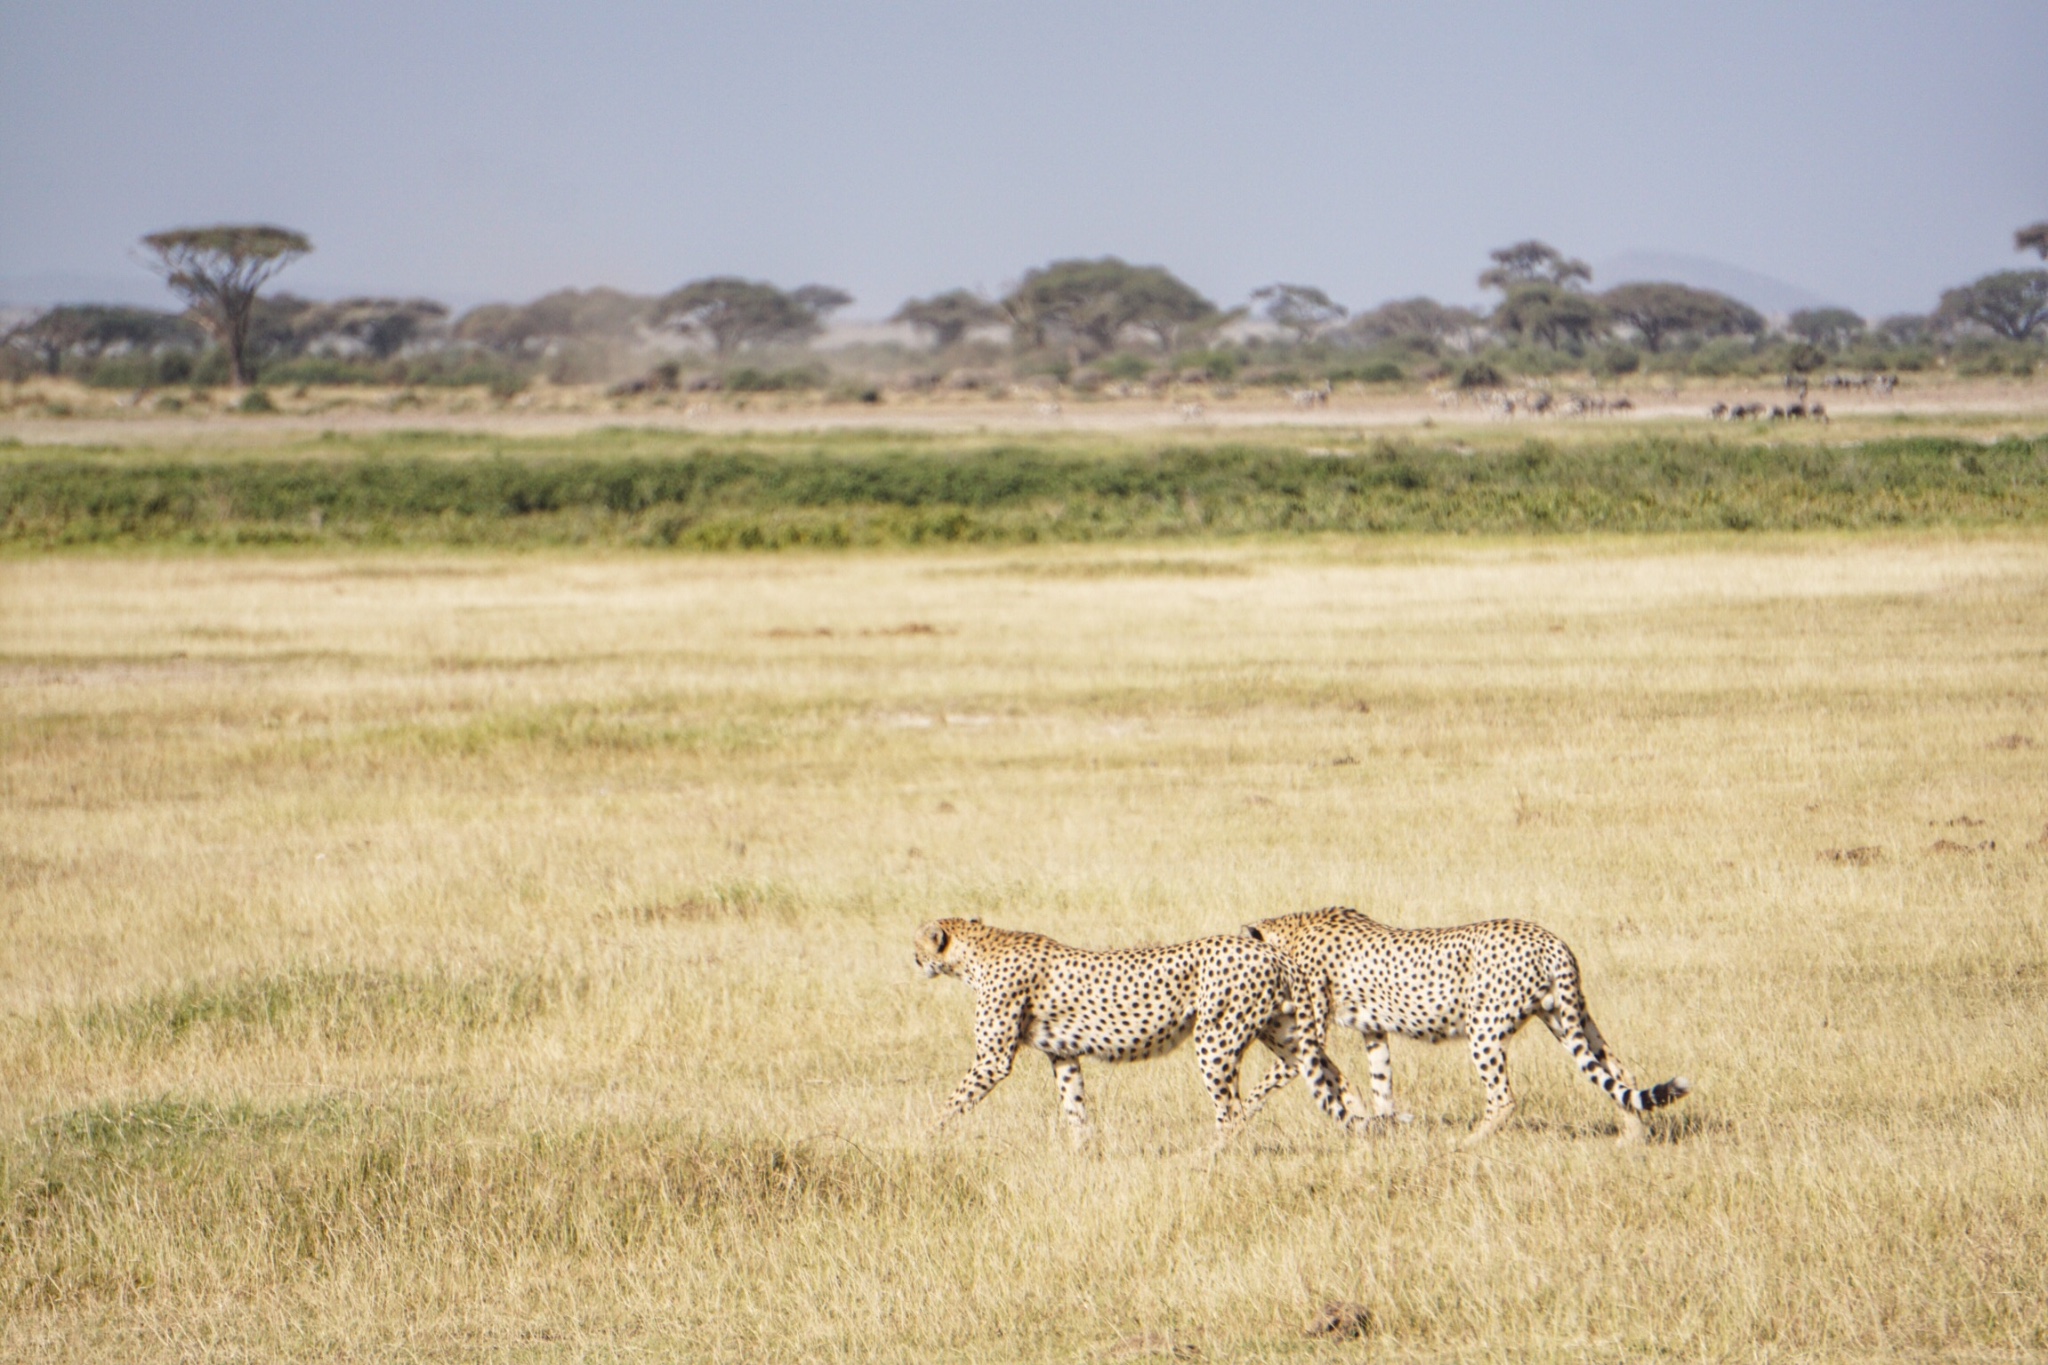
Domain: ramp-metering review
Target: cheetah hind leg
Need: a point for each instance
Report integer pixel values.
(1220, 1058)
(1490, 1055)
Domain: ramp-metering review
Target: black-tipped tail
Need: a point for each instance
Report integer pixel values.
(1657, 1096)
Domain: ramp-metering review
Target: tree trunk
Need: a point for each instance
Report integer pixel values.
(235, 315)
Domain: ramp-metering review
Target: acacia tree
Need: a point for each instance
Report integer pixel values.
(949, 316)
(565, 315)
(821, 300)
(92, 329)
(1422, 322)
(1088, 304)
(1658, 311)
(382, 327)
(1302, 309)
(1534, 262)
(2033, 238)
(1542, 298)
(2011, 303)
(1831, 329)
(1907, 329)
(733, 312)
(1549, 314)
(218, 271)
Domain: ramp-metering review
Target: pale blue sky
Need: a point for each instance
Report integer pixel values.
(1870, 152)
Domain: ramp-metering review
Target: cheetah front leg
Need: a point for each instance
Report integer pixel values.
(1297, 1056)
(1379, 1061)
(995, 1049)
(1283, 1070)
(1067, 1072)
(1490, 1055)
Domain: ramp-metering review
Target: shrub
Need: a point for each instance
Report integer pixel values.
(131, 371)
(211, 369)
(256, 400)
(1617, 360)
(1535, 360)
(1125, 367)
(1805, 358)
(748, 379)
(1217, 365)
(1371, 372)
(326, 369)
(1724, 356)
(1478, 374)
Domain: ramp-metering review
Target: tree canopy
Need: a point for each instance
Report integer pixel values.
(565, 315)
(218, 271)
(1831, 329)
(949, 316)
(1088, 304)
(1421, 321)
(93, 329)
(821, 299)
(1907, 329)
(380, 328)
(1302, 309)
(1659, 311)
(731, 312)
(1549, 314)
(2033, 238)
(1533, 262)
(2012, 303)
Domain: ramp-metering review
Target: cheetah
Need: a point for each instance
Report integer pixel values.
(1480, 981)
(1129, 1004)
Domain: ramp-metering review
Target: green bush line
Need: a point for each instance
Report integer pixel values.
(742, 498)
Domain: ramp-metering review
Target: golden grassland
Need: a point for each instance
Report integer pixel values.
(445, 956)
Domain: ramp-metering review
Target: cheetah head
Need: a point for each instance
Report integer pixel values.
(939, 947)
(1271, 932)
(1303, 931)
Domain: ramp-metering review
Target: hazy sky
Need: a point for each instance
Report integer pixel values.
(1870, 152)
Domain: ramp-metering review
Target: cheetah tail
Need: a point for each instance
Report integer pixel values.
(1594, 1067)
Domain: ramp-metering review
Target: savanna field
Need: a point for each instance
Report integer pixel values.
(436, 935)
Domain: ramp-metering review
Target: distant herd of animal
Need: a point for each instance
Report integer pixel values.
(1542, 403)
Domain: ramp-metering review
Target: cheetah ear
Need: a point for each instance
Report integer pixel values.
(976, 919)
(1251, 931)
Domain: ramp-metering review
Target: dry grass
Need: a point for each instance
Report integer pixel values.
(507, 958)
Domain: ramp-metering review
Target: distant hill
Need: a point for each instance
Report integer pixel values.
(1764, 293)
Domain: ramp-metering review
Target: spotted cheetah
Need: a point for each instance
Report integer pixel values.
(1130, 1004)
(1481, 981)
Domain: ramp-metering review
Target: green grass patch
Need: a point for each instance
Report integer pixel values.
(124, 1201)
(644, 490)
(341, 1008)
